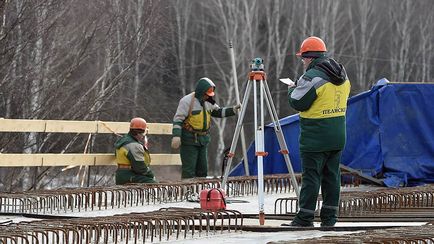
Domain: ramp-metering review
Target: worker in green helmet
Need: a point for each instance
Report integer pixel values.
(191, 125)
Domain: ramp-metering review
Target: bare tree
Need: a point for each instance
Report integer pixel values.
(62, 65)
(237, 22)
(279, 33)
(402, 26)
(426, 34)
(364, 34)
(182, 33)
(110, 60)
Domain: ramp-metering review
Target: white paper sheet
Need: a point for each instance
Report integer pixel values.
(287, 81)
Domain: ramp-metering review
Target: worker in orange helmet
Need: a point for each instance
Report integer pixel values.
(191, 125)
(321, 96)
(132, 155)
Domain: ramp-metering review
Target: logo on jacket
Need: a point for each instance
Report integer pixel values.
(337, 101)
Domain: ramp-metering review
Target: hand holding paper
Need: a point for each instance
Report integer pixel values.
(287, 81)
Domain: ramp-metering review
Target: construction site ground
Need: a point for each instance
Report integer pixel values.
(270, 232)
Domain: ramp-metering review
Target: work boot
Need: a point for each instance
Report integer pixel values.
(327, 224)
(296, 224)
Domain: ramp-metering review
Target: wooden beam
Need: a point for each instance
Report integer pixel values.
(160, 128)
(71, 159)
(361, 175)
(71, 126)
(22, 125)
(110, 127)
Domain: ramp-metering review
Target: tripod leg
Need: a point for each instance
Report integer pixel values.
(244, 148)
(280, 138)
(260, 152)
(236, 134)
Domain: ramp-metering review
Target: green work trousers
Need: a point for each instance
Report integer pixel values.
(319, 169)
(124, 176)
(194, 161)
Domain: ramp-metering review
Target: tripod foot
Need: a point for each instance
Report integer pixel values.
(261, 218)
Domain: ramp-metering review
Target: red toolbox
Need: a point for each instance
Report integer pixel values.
(213, 199)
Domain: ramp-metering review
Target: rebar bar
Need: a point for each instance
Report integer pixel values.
(356, 203)
(99, 198)
(163, 224)
(413, 234)
(65, 200)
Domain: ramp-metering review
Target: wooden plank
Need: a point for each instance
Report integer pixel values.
(19, 160)
(160, 128)
(105, 159)
(66, 159)
(156, 159)
(70, 126)
(361, 175)
(110, 127)
(123, 128)
(166, 159)
(21, 125)
(101, 159)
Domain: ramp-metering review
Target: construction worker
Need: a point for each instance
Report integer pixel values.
(132, 155)
(320, 95)
(191, 125)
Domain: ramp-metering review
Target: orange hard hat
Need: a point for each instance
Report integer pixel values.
(312, 44)
(138, 123)
(210, 92)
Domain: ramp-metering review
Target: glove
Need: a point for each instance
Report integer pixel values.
(237, 108)
(176, 142)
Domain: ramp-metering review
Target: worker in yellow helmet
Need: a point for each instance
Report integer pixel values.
(132, 155)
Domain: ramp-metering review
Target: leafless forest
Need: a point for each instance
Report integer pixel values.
(114, 59)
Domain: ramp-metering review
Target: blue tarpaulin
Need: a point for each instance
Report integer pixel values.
(390, 133)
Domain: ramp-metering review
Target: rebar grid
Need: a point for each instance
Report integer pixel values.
(413, 235)
(65, 200)
(126, 228)
(100, 198)
(356, 203)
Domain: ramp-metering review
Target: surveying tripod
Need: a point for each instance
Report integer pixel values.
(257, 76)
